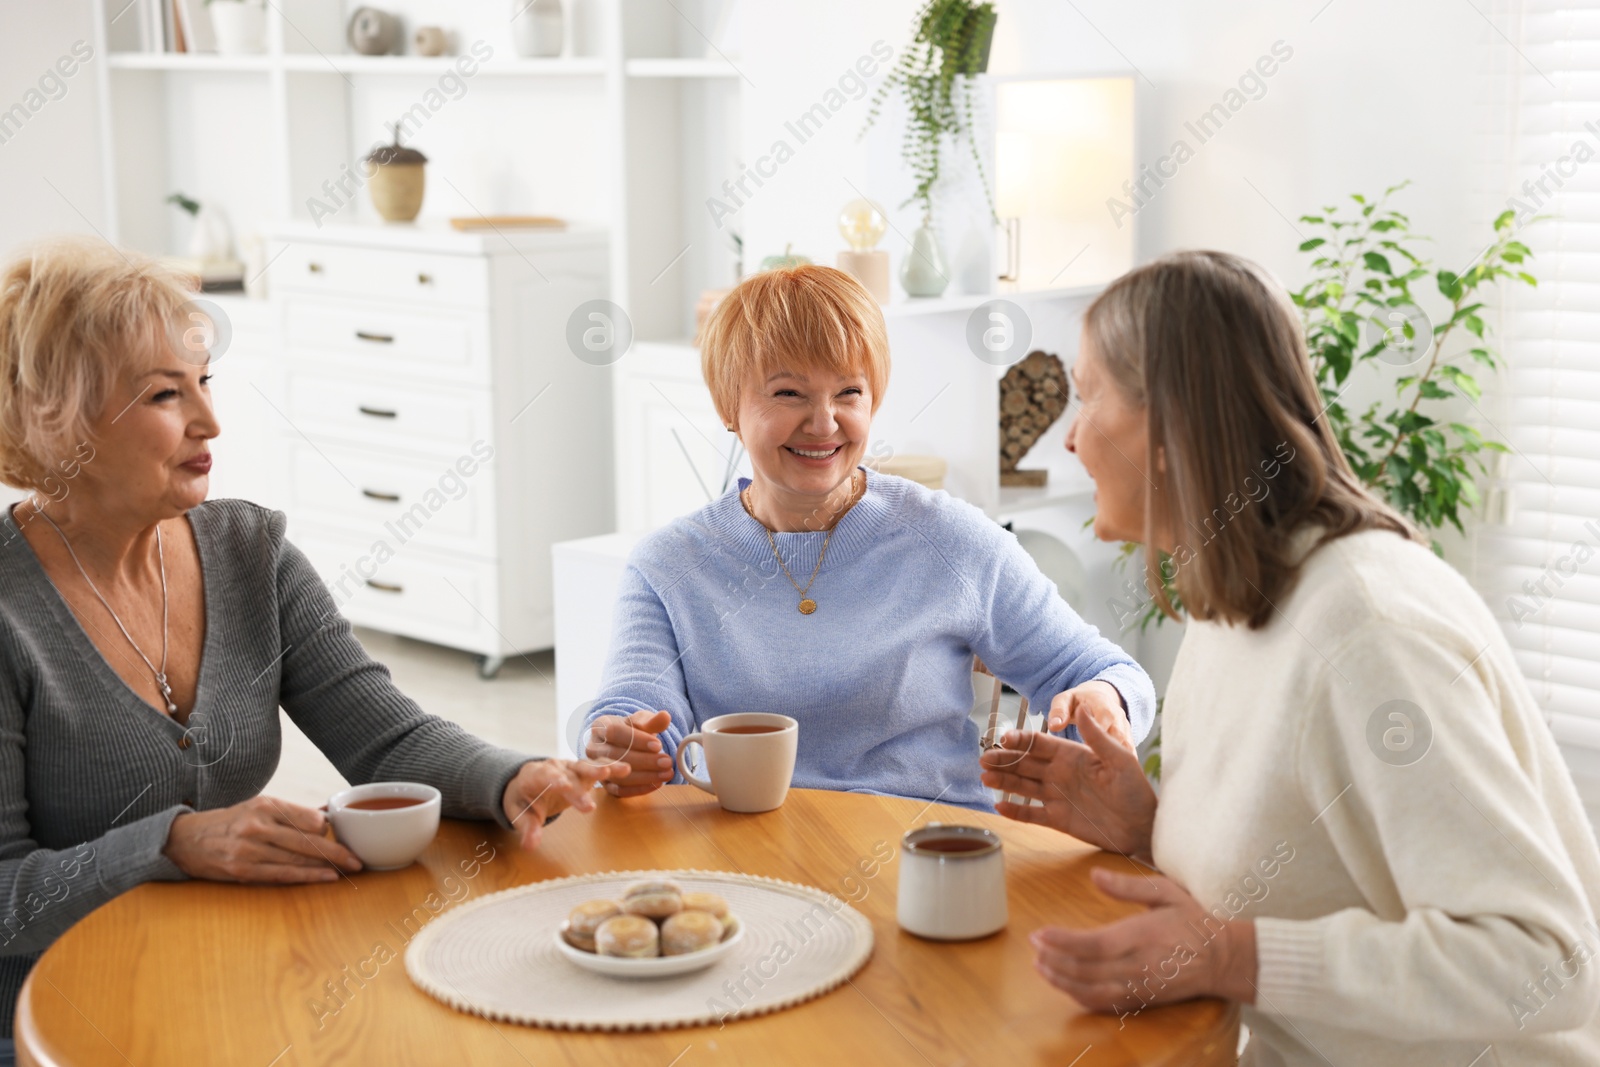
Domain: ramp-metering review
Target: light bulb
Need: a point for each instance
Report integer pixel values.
(862, 223)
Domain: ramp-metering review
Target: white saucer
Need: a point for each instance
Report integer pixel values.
(652, 966)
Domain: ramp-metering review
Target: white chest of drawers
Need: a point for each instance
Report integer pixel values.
(438, 434)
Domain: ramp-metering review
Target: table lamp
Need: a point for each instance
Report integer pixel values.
(862, 223)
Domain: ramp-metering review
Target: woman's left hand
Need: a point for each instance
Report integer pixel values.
(544, 787)
(1174, 951)
(1096, 698)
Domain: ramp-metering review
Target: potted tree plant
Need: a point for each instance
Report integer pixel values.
(1361, 313)
(949, 44)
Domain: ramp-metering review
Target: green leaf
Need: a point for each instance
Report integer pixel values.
(1504, 219)
(1306, 246)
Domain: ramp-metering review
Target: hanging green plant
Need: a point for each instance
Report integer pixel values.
(950, 43)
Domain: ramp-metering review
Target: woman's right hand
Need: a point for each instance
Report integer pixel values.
(1096, 791)
(632, 741)
(260, 840)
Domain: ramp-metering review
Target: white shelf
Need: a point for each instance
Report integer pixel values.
(681, 68)
(182, 61)
(342, 63)
(900, 304)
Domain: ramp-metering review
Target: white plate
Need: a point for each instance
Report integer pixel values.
(651, 966)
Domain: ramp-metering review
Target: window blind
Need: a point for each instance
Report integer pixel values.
(1538, 555)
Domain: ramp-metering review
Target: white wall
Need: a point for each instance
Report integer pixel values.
(1372, 93)
(58, 145)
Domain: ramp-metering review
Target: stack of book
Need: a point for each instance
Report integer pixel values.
(173, 26)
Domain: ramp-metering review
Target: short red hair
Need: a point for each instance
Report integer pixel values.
(798, 319)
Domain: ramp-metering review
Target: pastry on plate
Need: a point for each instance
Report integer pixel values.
(653, 900)
(708, 902)
(586, 919)
(632, 936)
(690, 931)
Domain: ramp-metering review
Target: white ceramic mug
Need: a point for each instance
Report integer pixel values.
(748, 757)
(952, 882)
(390, 838)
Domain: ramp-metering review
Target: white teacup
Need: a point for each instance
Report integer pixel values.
(386, 824)
(749, 758)
(952, 882)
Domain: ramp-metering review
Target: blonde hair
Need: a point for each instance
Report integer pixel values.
(76, 317)
(796, 318)
(1210, 345)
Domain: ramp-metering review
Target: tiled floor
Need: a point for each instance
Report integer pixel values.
(514, 710)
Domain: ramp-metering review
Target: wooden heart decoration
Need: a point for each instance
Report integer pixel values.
(1033, 394)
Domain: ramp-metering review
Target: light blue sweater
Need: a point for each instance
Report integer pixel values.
(914, 584)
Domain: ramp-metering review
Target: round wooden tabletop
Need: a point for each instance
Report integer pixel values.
(201, 972)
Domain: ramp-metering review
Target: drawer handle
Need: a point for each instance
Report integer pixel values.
(385, 587)
(388, 498)
(380, 338)
(314, 268)
(378, 413)
(424, 279)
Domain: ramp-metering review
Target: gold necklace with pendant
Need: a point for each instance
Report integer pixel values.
(807, 605)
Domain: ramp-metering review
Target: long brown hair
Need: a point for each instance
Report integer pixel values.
(1210, 345)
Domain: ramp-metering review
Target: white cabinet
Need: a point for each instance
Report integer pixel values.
(437, 434)
(673, 450)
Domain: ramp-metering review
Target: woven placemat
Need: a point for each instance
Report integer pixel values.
(496, 956)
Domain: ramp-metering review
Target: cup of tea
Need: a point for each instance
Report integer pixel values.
(386, 824)
(952, 882)
(748, 757)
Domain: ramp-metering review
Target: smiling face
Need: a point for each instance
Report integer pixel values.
(1110, 435)
(805, 430)
(151, 441)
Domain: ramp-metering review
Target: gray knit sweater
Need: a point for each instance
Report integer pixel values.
(91, 776)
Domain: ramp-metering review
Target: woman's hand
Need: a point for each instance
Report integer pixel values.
(632, 742)
(1094, 790)
(1174, 951)
(260, 840)
(542, 788)
(1097, 700)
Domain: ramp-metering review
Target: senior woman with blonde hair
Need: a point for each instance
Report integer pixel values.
(1365, 832)
(148, 637)
(849, 600)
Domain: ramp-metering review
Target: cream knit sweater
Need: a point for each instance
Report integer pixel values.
(1369, 779)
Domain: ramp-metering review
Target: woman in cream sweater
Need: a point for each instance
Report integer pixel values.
(1365, 833)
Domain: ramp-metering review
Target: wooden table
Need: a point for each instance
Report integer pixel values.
(202, 973)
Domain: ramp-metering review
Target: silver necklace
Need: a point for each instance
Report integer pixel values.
(161, 675)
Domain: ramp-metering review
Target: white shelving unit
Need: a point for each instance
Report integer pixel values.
(637, 115)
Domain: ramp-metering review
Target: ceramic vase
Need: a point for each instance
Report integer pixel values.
(923, 271)
(538, 28)
(240, 26)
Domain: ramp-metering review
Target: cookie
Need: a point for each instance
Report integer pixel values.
(632, 936)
